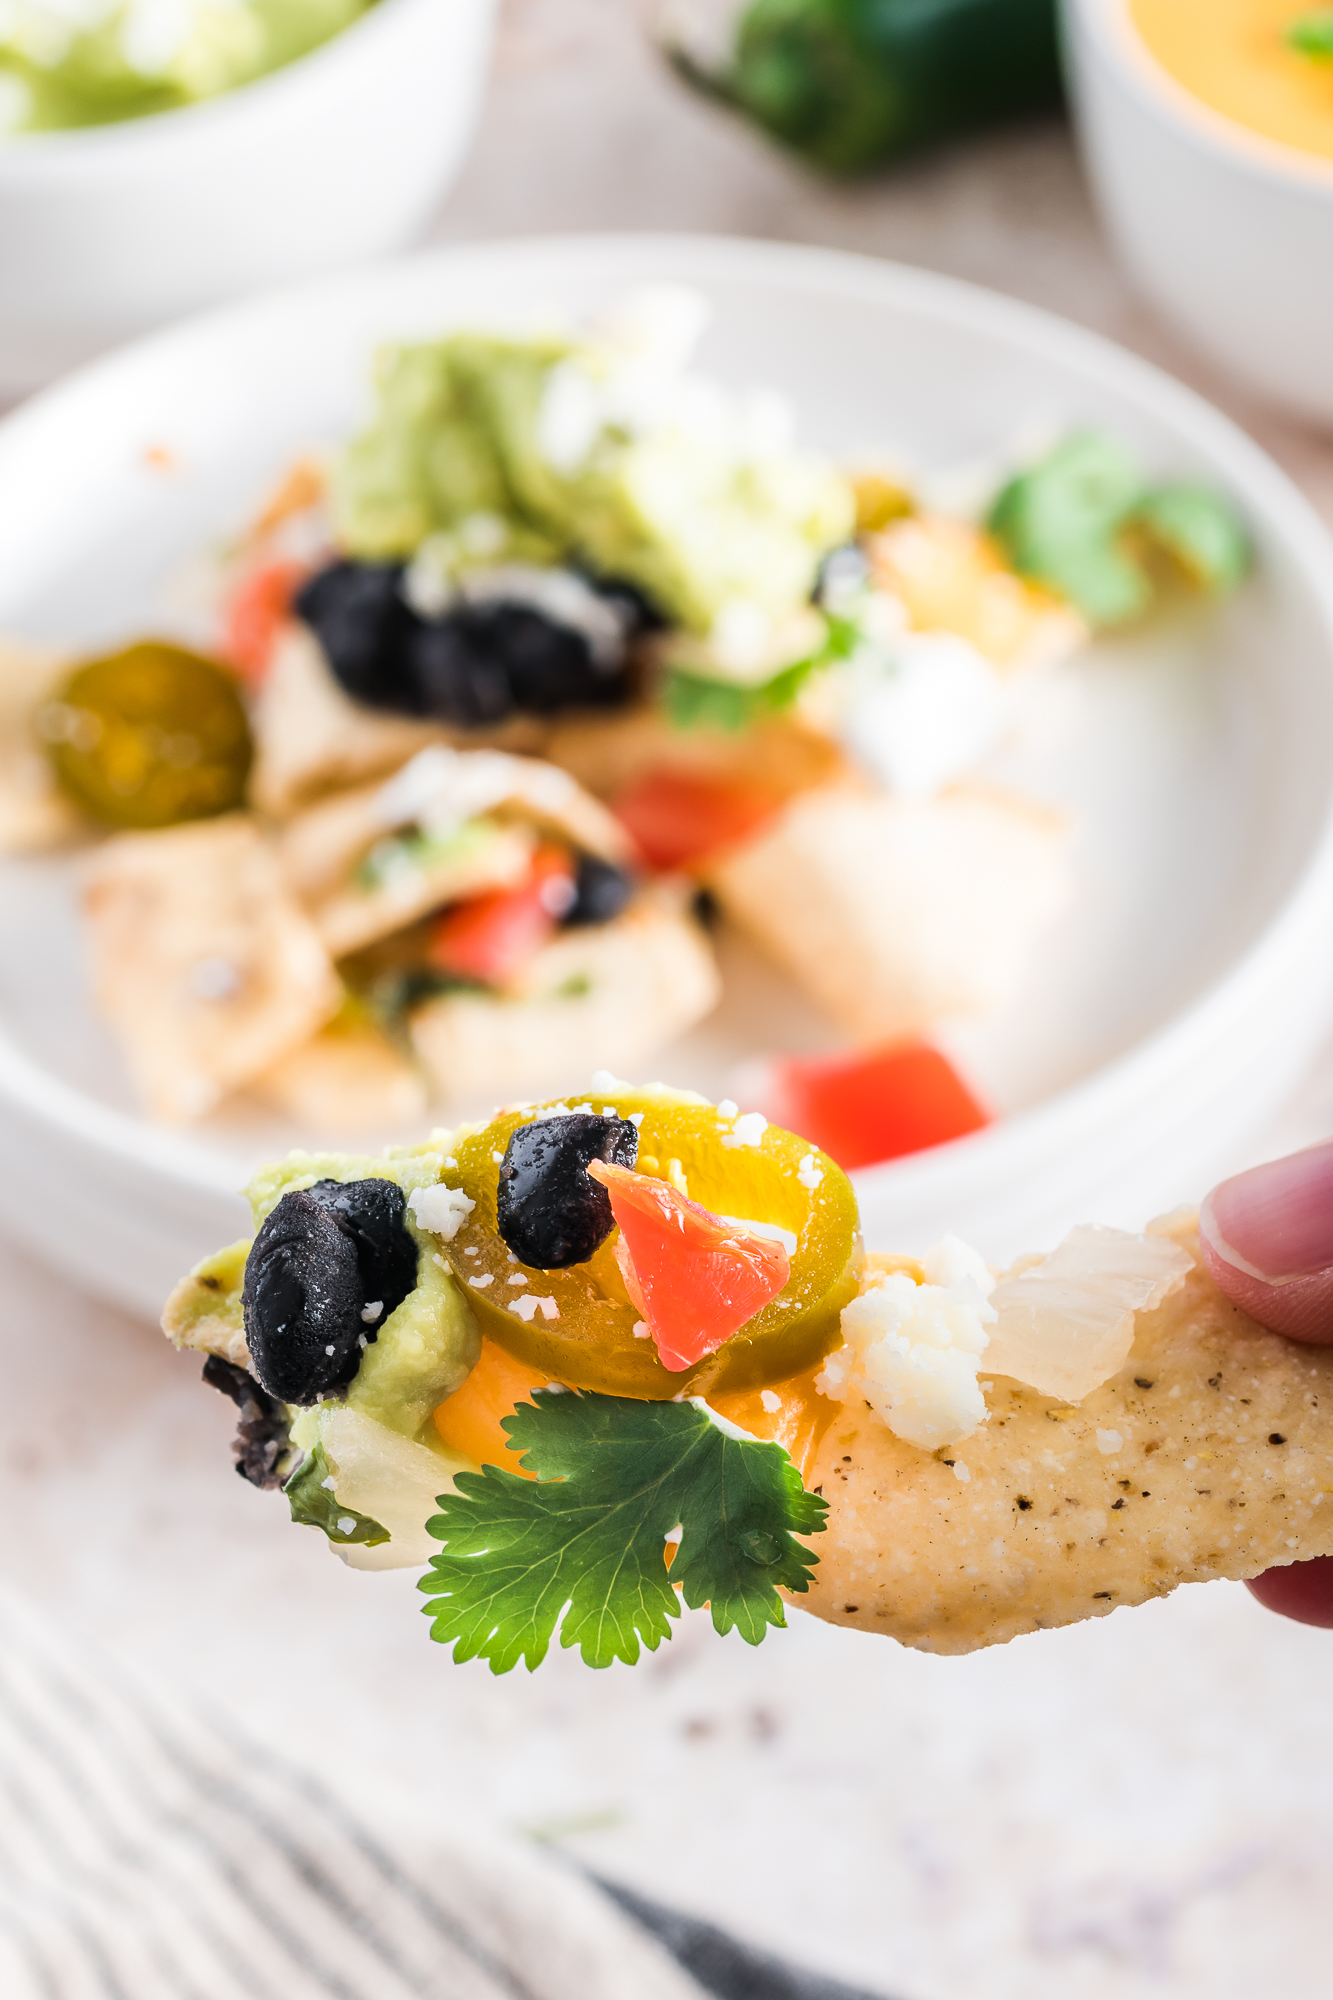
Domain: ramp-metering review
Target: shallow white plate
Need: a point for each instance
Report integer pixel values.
(1161, 1019)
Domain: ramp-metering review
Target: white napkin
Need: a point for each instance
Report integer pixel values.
(152, 1852)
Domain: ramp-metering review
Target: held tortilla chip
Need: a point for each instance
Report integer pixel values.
(1210, 1454)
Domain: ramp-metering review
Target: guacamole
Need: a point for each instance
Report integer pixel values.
(596, 453)
(131, 59)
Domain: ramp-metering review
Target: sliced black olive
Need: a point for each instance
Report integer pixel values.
(303, 1298)
(549, 1210)
(601, 891)
(357, 613)
(262, 1445)
(371, 1212)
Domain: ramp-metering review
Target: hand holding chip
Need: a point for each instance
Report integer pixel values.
(1267, 1239)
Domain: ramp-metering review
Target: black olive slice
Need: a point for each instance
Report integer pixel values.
(371, 1212)
(550, 1212)
(303, 1298)
(601, 892)
(262, 1445)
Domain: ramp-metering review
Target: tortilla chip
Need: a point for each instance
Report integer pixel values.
(892, 914)
(1209, 1455)
(600, 997)
(322, 849)
(346, 1080)
(205, 964)
(952, 577)
(310, 739)
(34, 812)
(607, 752)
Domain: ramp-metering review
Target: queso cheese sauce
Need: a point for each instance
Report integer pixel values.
(1233, 55)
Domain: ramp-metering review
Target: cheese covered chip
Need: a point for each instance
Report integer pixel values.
(1210, 1454)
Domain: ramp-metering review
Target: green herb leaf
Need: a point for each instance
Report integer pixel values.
(315, 1505)
(587, 1538)
(696, 701)
(1199, 531)
(1312, 34)
(1085, 522)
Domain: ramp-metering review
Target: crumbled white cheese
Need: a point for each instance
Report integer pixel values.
(727, 1109)
(329, 1350)
(346, 1525)
(808, 1174)
(641, 1329)
(519, 1279)
(747, 1131)
(912, 1351)
(370, 1313)
(480, 1284)
(770, 1401)
(440, 1209)
(922, 711)
(1066, 1325)
(527, 1306)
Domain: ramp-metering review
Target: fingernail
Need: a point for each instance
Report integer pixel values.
(1275, 1222)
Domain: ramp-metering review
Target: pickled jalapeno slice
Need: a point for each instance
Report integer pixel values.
(578, 1322)
(149, 737)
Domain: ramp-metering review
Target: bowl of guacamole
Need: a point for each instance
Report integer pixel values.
(133, 58)
(161, 156)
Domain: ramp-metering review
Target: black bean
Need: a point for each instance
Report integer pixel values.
(303, 1298)
(456, 676)
(371, 1212)
(601, 891)
(262, 1445)
(550, 1211)
(357, 613)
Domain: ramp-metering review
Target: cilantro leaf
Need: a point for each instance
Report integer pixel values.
(1312, 34)
(315, 1505)
(697, 701)
(587, 1537)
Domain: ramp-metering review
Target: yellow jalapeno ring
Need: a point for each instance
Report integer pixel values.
(578, 1324)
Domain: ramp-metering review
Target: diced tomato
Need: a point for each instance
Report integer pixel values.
(492, 937)
(695, 1277)
(874, 1104)
(677, 817)
(254, 613)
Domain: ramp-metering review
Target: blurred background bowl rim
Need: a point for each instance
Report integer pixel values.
(28, 153)
(1111, 27)
(179, 1155)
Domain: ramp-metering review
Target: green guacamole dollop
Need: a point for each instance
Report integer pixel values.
(56, 75)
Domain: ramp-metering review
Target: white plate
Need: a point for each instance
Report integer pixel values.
(1162, 1018)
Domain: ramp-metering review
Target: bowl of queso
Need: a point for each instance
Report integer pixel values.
(1207, 126)
(154, 161)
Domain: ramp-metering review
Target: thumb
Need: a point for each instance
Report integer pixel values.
(1267, 1240)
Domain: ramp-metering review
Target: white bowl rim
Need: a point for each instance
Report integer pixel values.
(1109, 22)
(28, 152)
(180, 1157)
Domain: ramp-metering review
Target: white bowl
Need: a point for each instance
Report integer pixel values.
(340, 156)
(1228, 233)
(1163, 1017)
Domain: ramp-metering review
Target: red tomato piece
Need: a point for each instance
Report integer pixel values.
(254, 614)
(874, 1104)
(677, 817)
(492, 937)
(695, 1277)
